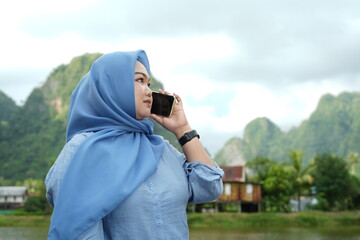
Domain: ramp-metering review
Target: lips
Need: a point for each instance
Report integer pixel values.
(148, 101)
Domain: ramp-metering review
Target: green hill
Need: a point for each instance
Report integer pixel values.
(333, 127)
(31, 136)
(7, 108)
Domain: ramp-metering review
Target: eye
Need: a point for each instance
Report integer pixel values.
(141, 80)
(149, 84)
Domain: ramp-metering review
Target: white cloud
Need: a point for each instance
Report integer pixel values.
(167, 54)
(286, 109)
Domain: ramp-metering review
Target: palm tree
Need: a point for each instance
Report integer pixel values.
(302, 178)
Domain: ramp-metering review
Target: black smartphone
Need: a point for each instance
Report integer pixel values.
(162, 104)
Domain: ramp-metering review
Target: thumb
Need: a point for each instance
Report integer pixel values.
(156, 118)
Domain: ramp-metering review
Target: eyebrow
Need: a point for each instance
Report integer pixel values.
(145, 75)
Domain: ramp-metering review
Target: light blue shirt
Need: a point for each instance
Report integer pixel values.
(157, 208)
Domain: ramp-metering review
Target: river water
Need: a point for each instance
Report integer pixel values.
(338, 233)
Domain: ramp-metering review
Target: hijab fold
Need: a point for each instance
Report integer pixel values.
(111, 163)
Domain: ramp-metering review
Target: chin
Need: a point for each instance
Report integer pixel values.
(143, 116)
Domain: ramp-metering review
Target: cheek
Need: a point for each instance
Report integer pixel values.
(137, 91)
(139, 94)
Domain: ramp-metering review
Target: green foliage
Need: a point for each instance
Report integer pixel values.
(274, 220)
(277, 183)
(332, 180)
(302, 180)
(7, 108)
(353, 200)
(278, 189)
(322, 204)
(310, 220)
(35, 187)
(335, 188)
(35, 204)
(260, 132)
(260, 166)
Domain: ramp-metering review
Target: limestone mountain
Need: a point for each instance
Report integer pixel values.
(333, 127)
(7, 108)
(232, 153)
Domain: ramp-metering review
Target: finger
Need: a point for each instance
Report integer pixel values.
(156, 118)
(177, 97)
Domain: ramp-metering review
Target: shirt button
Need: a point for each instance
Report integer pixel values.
(158, 215)
(151, 186)
(158, 223)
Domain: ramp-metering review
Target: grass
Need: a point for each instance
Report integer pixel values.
(24, 220)
(254, 220)
(224, 220)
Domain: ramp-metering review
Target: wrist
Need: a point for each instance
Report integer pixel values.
(188, 136)
(181, 131)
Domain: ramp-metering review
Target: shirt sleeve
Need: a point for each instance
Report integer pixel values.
(204, 181)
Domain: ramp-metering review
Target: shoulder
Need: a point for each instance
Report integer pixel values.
(58, 169)
(66, 154)
(74, 143)
(76, 140)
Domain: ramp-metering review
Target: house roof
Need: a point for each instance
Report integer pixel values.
(233, 174)
(13, 191)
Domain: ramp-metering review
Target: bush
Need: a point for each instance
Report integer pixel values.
(35, 204)
(322, 204)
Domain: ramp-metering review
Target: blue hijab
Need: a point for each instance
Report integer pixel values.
(111, 163)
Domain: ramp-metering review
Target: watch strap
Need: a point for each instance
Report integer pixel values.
(188, 136)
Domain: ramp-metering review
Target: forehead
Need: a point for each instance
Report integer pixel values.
(139, 67)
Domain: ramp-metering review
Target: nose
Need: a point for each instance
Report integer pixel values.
(148, 92)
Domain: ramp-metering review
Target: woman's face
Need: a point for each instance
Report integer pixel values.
(143, 94)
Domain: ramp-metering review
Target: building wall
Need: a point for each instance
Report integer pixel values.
(12, 196)
(236, 191)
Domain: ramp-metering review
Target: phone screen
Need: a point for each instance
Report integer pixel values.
(162, 104)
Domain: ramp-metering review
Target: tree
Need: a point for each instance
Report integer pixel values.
(332, 180)
(278, 187)
(276, 182)
(259, 167)
(353, 159)
(301, 177)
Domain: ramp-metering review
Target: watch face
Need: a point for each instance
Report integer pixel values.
(188, 136)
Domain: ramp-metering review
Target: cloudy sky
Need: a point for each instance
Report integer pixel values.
(231, 60)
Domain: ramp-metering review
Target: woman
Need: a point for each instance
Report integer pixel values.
(115, 179)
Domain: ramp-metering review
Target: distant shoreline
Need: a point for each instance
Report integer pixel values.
(225, 220)
(254, 220)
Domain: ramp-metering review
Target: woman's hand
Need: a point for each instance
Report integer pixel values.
(177, 122)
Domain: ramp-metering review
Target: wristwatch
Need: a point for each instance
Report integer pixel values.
(188, 136)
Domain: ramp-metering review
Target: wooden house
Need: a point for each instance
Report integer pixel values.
(12, 197)
(247, 195)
